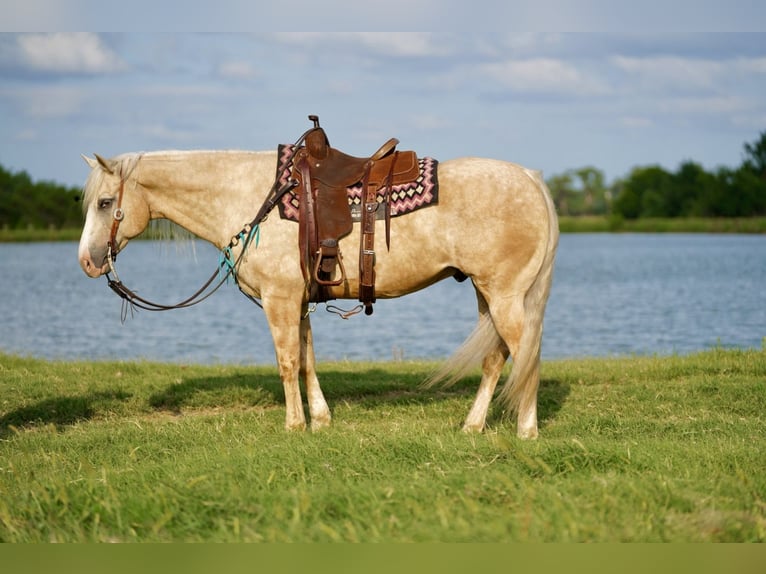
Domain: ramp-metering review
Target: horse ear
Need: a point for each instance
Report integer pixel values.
(106, 164)
(90, 161)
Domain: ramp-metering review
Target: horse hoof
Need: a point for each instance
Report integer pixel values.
(527, 434)
(472, 428)
(319, 424)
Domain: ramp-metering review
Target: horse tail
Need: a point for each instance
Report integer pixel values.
(521, 386)
(519, 393)
(468, 356)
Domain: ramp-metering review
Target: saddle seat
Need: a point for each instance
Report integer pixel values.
(323, 175)
(336, 169)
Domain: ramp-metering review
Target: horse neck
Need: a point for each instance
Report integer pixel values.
(210, 194)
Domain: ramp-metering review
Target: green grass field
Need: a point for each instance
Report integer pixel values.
(631, 449)
(600, 224)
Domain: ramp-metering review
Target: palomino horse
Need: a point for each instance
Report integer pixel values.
(495, 223)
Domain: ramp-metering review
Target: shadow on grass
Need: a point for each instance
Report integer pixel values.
(60, 411)
(369, 387)
(243, 389)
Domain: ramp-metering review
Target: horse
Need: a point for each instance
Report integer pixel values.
(494, 223)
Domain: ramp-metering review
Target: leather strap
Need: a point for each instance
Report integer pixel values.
(117, 216)
(367, 240)
(307, 231)
(370, 206)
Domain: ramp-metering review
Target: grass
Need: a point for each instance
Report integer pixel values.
(34, 234)
(631, 449)
(600, 224)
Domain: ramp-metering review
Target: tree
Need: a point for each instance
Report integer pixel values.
(579, 192)
(690, 187)
(593, 189)
(644, 193)
(755, 156)
(24, 203)
(562, 191)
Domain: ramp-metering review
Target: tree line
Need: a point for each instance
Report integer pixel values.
(649, 191)
(652, 191)
(26, 204)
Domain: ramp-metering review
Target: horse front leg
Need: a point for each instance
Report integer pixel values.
(318, 409)
(284, 323)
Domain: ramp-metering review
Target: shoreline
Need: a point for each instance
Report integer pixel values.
(567, 224)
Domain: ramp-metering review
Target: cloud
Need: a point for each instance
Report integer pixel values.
(388, 44)
(750, 65)
(724, 105)
(237, 70)
(725, 89)
(636, 122)
(45, 102)
(542, 76)
(430, 122)
(403, 44)
(67, 53)
(665, 72)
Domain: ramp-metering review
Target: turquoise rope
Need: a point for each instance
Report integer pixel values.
(226, 262)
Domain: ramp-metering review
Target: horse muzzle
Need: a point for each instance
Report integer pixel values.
(90, 267)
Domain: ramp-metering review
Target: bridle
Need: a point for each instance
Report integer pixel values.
(227, 266)
(117, 216)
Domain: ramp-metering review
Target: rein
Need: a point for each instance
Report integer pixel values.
(246, 235)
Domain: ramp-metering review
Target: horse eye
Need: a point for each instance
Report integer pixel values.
(104, 203)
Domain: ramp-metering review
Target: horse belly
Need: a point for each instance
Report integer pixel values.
(491, 224)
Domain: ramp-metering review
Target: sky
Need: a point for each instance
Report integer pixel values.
(547, 100)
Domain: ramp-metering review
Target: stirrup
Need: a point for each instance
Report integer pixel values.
(334, 252)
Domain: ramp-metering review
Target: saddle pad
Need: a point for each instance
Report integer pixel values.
(405, 198)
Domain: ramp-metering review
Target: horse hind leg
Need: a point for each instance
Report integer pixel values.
(496, 354)
(505, 329)
(491, 367)
(518, 328)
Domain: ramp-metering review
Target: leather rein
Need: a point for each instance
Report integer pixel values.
(250, 231)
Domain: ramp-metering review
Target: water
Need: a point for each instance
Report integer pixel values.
(612, 295)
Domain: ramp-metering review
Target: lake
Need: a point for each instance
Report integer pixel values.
(613, 295)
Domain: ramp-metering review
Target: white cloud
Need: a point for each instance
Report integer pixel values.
(165, 133)
(543, 76)
(392, 44)
(430, 122)
(750, 65)
(403, 44)
(67, 53)
(636, 122)
(707, 106)
(683, 85)
(46, 102)
(660, 73)
(237, 70)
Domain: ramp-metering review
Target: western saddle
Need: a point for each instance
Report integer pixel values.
(323, 175)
